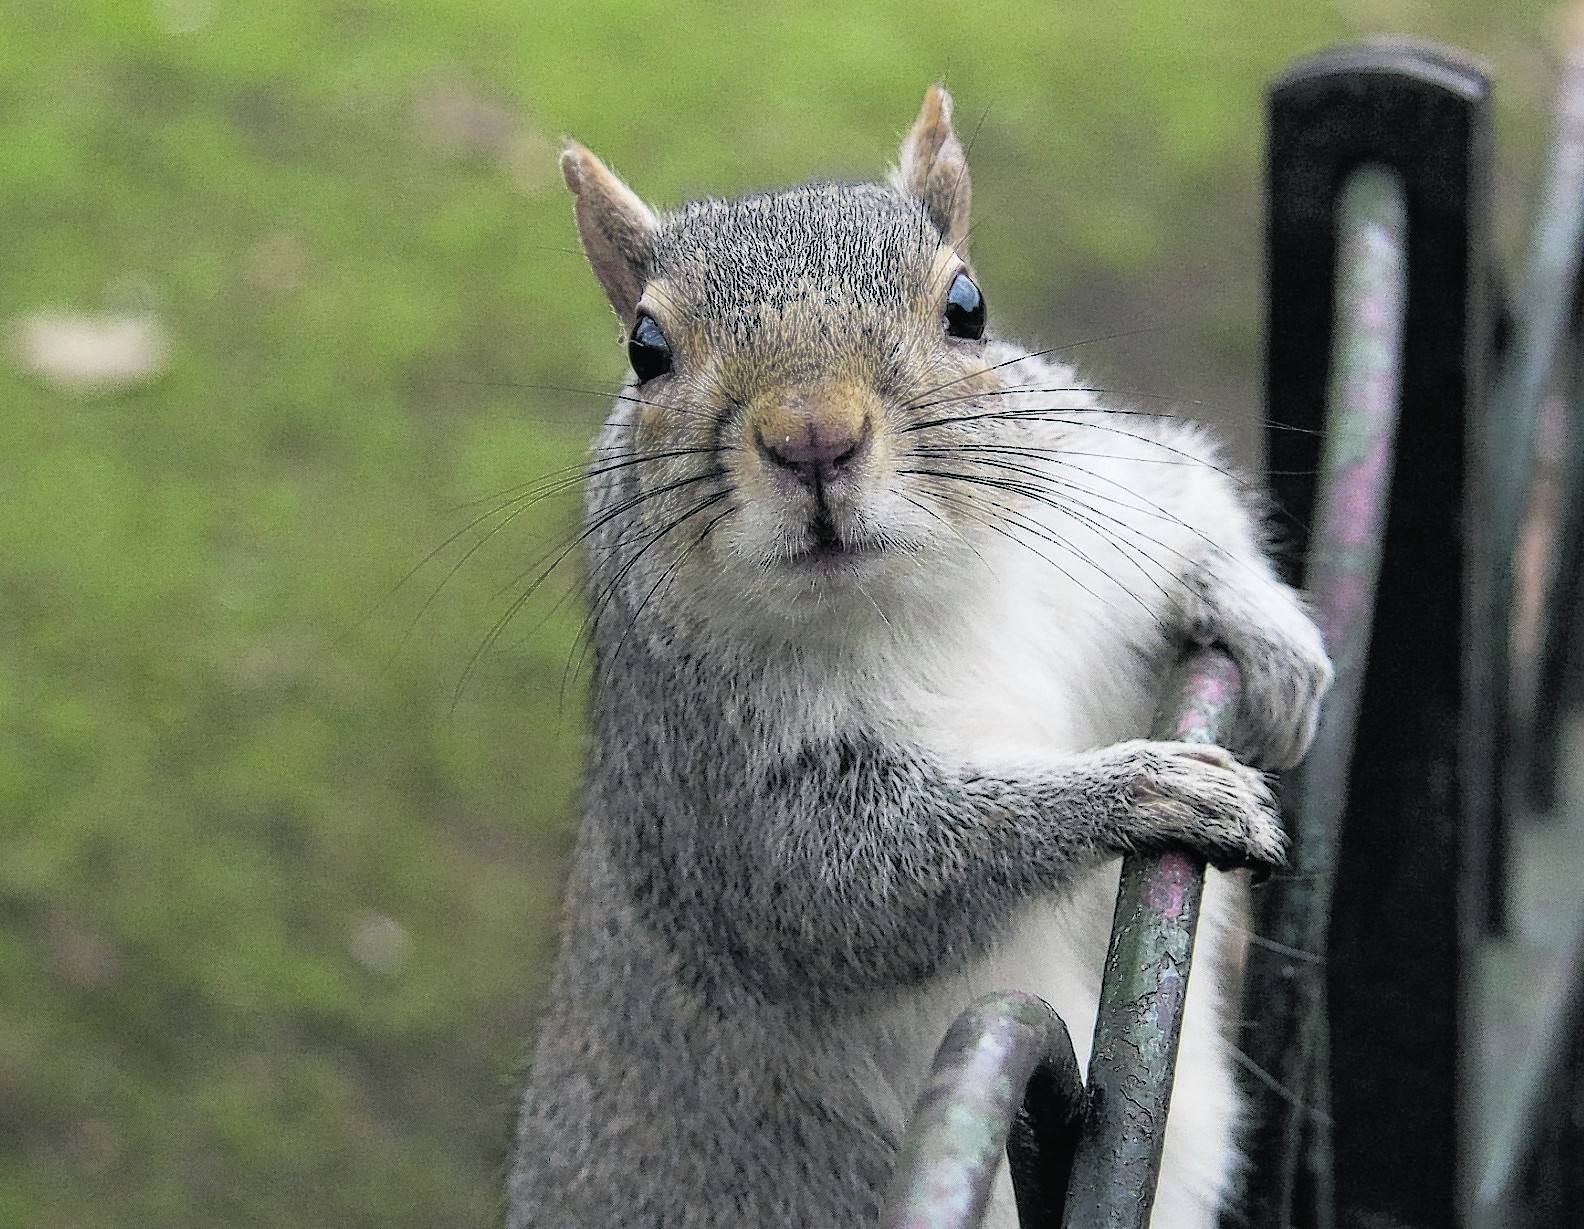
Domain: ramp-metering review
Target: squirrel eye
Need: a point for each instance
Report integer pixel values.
(648, 350)
(965, 309)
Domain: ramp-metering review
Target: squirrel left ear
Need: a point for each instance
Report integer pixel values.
(617, 229)
(933, 168)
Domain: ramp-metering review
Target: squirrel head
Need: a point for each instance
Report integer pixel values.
(792, 344)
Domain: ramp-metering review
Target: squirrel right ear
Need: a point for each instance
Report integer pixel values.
(934, 170)
(617, 229)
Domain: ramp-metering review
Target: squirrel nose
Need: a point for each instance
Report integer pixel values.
(817, 452)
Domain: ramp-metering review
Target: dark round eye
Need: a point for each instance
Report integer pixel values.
(647, 350)
(965, 310)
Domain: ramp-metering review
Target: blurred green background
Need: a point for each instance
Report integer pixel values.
(286, 289)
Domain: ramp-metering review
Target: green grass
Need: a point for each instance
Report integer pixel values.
(228, 749)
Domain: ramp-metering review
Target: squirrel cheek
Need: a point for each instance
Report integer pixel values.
(651, 421)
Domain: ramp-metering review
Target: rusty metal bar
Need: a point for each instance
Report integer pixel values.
(1004, 1075)
(1345, 546)
(1146, 980)
(1530, 999)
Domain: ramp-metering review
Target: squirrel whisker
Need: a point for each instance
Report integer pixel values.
(622, 508)
(1011, 517)
(570, 477)
(1056, 456)
(1132, 552)
(1106, 410)
(585, 641)
(619, 394)
(957, 533)
(1276, 1086)
(540, 488)
(498, 628)
(1056, 413)
(1049, 487)
(561, 554)
(1023, 358)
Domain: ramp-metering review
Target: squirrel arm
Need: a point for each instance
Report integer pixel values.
(860, 867)
(1234, 598)
(1169, 497)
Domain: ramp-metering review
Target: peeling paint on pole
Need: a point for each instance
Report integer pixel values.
(1145, 985)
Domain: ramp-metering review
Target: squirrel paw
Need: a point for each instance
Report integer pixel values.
(1283, 683)
(1285, 674)
(1199, 796)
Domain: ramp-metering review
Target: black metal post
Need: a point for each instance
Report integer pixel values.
(1409, 879)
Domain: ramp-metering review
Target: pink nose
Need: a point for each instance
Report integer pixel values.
(816, 452)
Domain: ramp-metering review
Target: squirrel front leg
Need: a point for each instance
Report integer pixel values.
(1235, 599)
(861, 867)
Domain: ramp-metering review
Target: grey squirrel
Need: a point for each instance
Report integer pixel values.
(881, 610)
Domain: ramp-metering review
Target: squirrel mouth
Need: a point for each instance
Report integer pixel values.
(825, 549)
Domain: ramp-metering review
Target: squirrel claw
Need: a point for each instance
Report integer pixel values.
(1198, 795)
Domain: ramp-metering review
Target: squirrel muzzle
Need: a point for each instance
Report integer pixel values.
(817, 437)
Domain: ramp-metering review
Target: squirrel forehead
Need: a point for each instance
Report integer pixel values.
(854, 245)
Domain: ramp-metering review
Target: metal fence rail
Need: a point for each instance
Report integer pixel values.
(1527, 1169)
(1005, 1084)
(1145, 986)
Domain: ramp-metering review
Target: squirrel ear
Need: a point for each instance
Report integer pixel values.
(933, 168)
(616, 227)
